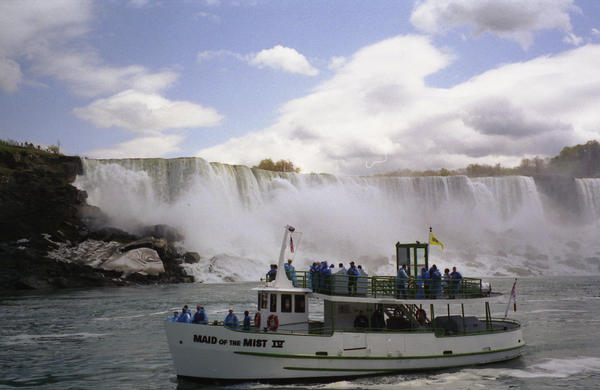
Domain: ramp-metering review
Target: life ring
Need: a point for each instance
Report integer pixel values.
(257, 320)
(272, 322)
(421, 316)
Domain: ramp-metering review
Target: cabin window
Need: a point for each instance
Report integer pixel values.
(262, 300)
(286, 303)
(299, 304)
(273, 303)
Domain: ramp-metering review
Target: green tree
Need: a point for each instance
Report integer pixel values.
(579, 160)
(280, 166)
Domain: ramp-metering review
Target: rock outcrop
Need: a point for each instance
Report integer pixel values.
(51, 238)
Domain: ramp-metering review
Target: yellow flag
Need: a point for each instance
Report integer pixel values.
(434, 241)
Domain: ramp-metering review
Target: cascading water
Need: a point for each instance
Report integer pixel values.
(498, 225)
(588, 191)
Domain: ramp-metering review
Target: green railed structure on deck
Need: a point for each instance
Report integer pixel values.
(415, 256)
(388, 286)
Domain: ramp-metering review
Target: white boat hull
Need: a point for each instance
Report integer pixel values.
(217, 353)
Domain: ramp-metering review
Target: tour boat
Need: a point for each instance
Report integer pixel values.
(412, 325)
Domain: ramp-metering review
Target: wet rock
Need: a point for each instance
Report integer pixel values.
(51, 238)
(161, 231)
(191, 257)
(144, 261)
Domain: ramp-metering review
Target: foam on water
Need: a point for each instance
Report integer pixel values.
(233, 216)
(557, 368)
(47, 338)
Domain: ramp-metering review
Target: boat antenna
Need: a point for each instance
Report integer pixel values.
(281, 280)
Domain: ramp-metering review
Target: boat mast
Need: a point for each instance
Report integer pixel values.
(281, 280)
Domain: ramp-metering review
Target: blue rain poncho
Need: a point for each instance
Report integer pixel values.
(200, 317)
(231, 320)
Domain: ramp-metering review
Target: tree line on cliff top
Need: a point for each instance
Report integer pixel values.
(576, 161)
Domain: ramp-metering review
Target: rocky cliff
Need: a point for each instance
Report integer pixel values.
(51, 238)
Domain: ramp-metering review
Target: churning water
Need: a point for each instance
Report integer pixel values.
(113, 338)
(233, 216)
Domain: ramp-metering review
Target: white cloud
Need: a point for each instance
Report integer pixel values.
(572, 39)
(208, 16)
(88, 76)
(336, 63)
(143, 147)
(512, 19)
(378, 107)
(28, 27)
(285, 59)
(138, 3)
(279, 58)
(142, 112)
(207, 55)
(43, 35)
(10, 75)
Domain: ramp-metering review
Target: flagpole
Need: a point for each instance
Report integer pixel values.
(513, 297)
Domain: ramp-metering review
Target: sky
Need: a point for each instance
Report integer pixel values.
(346, 87)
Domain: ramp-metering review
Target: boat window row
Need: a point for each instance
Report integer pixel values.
(295, 303)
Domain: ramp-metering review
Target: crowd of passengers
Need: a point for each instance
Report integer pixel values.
(361, 322)
(429, 284)
(201, 318)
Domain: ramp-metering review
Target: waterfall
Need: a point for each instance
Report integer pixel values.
(501, 225)
(588, 191)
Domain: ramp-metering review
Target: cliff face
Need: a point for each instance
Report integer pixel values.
(41, 214)
(36, 195)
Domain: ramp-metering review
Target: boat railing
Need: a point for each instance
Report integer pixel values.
(390, 286)
(459, 328)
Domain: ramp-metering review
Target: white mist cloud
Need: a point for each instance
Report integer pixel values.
(141, 112)
(378, 107)
(512, 19)
(285, 59)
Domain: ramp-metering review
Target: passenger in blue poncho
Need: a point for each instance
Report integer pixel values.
(290, 272)
(436, 281)
(185, 315)
(313, 276)
(352, 278)
(401, 279)
(174, 318)
(423, 284)
(455, 277)
(246, 324)
(272, 274)
(200, 316)
(325, 277)
(231, 320)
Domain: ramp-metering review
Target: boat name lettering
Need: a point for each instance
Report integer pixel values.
(198, 338)
(255, 343)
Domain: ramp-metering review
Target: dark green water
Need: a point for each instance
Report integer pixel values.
(113, 338)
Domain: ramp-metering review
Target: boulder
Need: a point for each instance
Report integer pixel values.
(141, 260)
(191, 257)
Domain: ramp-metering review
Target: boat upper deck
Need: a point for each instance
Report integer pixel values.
(378, 287)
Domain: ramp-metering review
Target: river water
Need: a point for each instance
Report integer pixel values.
(113, 338)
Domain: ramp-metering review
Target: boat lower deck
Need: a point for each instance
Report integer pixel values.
(217, 352)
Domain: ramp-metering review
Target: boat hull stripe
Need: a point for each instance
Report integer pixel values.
(305, 356)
